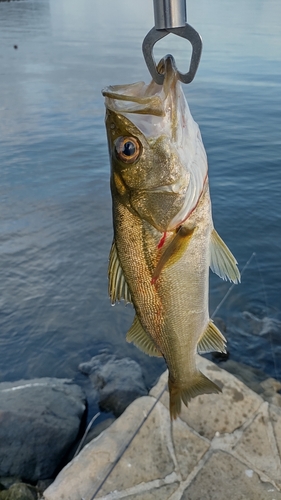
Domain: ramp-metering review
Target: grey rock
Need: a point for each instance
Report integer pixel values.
(43, 484)
(118, 381)
(249, 375)
(9, 481)
(39, 421)
(225, 477)
(96, 431)
(272, 394)
(146, 459)
(238, 458)
(19, 491)
(265, 327)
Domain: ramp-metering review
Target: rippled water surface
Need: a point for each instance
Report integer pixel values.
(55, 205)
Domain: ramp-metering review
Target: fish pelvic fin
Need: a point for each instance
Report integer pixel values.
(198, 384)
(174, 250)
(211, 340)
(222, 262)
(141, 339)
(117, 285)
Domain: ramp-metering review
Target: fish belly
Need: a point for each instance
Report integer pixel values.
(184, 290)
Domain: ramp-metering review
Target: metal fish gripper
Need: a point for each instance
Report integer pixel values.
(170, 17)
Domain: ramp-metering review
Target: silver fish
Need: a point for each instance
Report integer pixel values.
(164, 238)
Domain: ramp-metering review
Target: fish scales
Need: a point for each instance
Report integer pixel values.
(137, 265)
(164, 238)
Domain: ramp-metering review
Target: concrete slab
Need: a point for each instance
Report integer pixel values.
(258, 446)
(85, 472)
(162, 493)
(275, 416)
(224, 446)
(223, 477)
(189, 447)
(149, 457)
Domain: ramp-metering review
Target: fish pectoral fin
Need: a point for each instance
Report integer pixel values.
(211, 340)
(222, 262)
(197, 385)
(117, 285)
(174, 250)
(141, 339)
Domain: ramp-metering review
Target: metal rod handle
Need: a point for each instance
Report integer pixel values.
(169, 14)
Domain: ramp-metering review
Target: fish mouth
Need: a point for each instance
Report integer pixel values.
(138, 99)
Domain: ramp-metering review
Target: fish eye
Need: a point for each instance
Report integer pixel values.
(128, 149)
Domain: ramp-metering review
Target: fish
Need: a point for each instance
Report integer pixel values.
(164, 239)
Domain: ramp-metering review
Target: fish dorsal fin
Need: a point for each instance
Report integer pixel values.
(211, 340)
(117, 286)
(141, 339)
(174, 250)
(222, 262)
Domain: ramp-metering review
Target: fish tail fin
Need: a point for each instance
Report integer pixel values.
(175, 399)
(198, 384)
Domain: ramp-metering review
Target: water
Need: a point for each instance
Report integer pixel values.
(55, 205)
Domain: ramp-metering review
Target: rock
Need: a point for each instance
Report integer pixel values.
(271, 384)
(81, 477)
(9, 481)
(118, 381)
(265, 327)
(39, 421)
(271, 388)
(258, 445)
(19, 491)
(43, 484)
(225, 477)
(268, 388)
(142, 456)
(98, 429)
(251, 376)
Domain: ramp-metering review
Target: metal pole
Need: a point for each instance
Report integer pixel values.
(169, 14)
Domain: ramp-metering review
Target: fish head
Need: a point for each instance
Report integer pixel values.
(153, 146)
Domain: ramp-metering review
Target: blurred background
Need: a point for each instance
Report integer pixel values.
(55, 205)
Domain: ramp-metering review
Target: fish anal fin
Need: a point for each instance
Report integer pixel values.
(197, 385)
(117, 285)
(211, 340)
(141, 339)
(222, 262)
(174, 250)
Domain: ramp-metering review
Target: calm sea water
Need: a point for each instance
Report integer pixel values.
(55, 205)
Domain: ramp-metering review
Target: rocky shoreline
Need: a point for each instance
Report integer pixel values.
(43, 420)
(225, 445)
